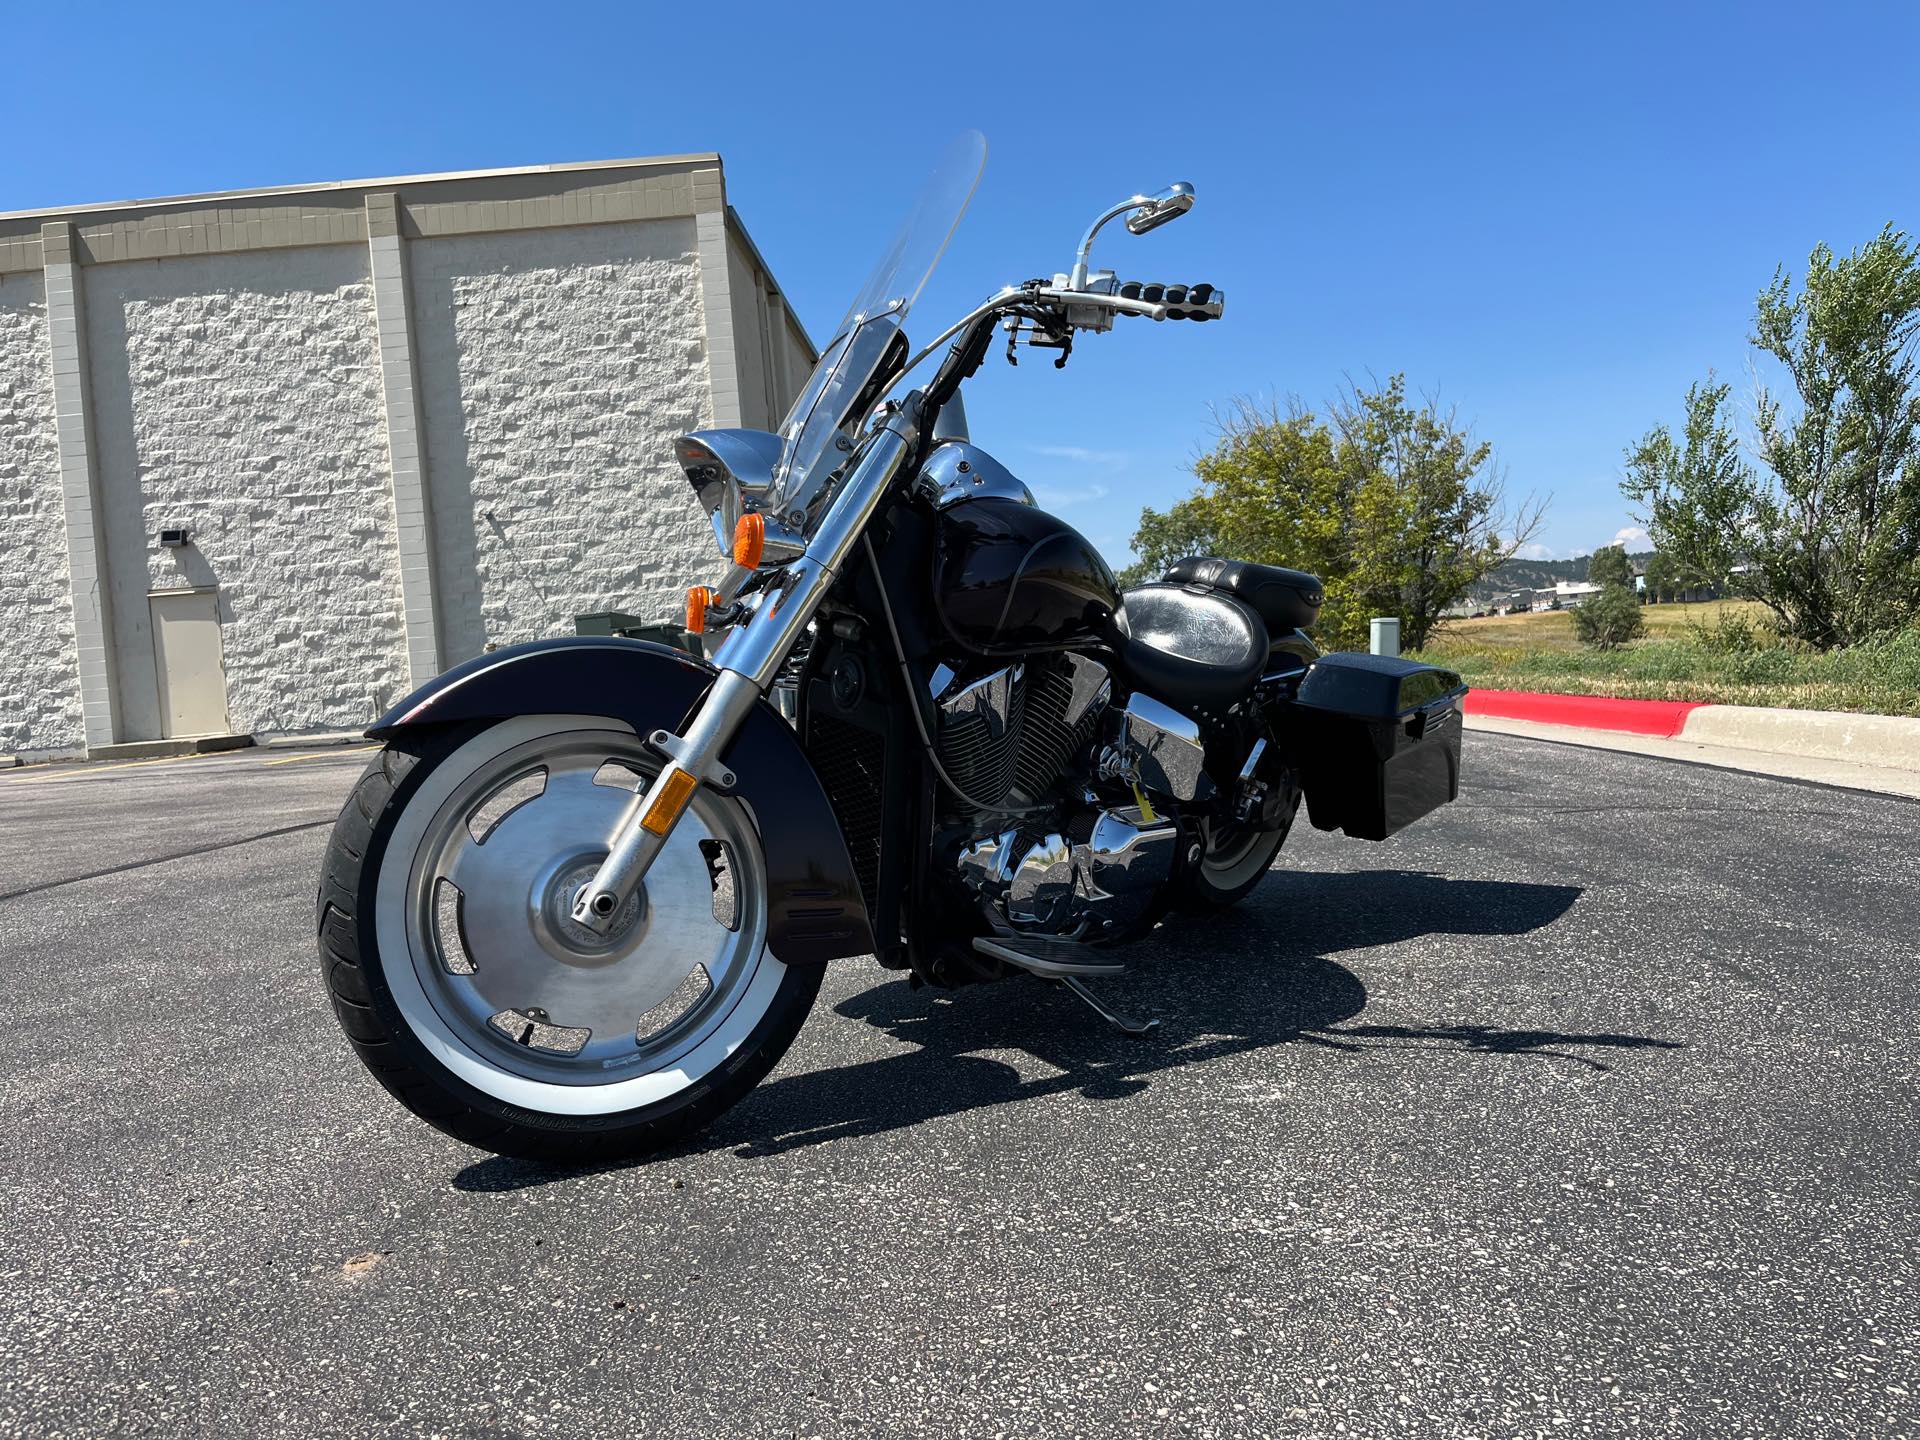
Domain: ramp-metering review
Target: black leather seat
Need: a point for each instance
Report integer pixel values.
(1189, 646)
(1287, 600)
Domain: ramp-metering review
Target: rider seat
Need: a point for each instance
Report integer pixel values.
(1287, 600)
(1190, 646)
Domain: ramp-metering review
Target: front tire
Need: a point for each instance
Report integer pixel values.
(452, 967)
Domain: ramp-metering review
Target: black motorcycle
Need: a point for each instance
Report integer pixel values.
(580, 903)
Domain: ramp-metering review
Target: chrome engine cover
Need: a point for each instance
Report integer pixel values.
(1049, 885)
(1007, 736)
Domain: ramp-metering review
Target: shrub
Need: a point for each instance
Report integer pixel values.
(1731, 633)
(1610, 619)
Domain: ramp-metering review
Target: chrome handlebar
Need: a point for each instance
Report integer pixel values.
(1096, 307)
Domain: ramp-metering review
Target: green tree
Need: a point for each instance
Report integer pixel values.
(1394, 505)
(1609, 566)
(1609, 619)
(1827, 535)
(1663, 577)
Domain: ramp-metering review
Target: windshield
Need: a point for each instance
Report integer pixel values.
(870, 330)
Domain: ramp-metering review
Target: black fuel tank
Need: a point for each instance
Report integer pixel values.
(1010, 579)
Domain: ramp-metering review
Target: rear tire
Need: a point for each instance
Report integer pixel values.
(400, 1006)
(1233, 862)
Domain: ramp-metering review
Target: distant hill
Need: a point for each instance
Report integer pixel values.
(1539, 574)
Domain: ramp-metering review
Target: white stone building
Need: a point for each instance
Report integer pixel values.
(399, 421)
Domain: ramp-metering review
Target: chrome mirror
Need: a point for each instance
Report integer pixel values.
(1143, 212)
(1170, 204)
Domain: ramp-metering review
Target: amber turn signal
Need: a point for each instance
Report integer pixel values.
(698, 599)
(749, 541)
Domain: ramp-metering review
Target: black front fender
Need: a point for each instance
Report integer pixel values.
(815, 911)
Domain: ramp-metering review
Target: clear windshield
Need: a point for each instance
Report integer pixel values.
(862, 340)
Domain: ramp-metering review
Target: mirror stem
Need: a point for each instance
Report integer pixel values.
(1078, 280)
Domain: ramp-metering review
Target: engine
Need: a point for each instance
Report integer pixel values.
(1038, 850)
(1007, 738)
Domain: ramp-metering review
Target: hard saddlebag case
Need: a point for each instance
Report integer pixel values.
(1377, 740)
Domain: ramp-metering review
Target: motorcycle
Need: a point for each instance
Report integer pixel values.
(580, 903)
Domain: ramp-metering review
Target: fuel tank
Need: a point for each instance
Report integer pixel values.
(1010, 579)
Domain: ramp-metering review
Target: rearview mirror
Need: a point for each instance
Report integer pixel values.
(1143, 212)
(1169, 204)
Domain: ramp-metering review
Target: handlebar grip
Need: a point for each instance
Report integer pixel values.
(1183, 302)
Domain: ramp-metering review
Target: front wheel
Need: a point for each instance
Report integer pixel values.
(456, 970)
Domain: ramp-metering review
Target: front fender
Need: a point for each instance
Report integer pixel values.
(814, 907)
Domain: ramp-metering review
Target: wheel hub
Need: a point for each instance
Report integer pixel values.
(561, 936)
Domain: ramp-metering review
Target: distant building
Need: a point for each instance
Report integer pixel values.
(269, 459)
(1573, 593)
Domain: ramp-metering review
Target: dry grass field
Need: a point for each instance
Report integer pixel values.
(1718, 651)
(1553, 629)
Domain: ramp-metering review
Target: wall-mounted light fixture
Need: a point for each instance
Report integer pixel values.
(176, 537)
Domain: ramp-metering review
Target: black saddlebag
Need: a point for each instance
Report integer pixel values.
(1377, 740)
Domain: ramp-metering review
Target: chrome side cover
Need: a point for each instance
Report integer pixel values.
(1162, 749)
(959, 470)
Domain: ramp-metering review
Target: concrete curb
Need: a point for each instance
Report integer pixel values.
(1589, 712)
(1888, 742)
(163, 749)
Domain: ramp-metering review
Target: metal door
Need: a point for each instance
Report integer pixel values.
(186, 656)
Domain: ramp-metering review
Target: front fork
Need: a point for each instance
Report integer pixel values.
(748, 661)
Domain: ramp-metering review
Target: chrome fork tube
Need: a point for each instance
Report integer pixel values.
(749, 661)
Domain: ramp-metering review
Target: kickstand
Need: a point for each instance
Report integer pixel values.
(1119, 1021)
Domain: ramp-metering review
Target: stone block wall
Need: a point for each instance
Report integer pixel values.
(556, 368)
(239, 395)
(39, 688)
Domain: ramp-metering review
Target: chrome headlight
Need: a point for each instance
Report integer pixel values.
(730, 472)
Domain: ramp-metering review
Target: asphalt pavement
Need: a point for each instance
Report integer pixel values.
(1586, 1107)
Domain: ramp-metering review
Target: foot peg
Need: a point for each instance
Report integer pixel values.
(1065, 962)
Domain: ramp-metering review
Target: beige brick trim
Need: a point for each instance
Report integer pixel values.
(79, 484)
(436, 205)
(20, 253)
(406, 435)
(723, 357)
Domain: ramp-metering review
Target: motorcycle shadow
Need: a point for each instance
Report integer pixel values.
(1249, 979)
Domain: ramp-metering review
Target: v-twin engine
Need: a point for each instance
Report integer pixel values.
(1010, 740)
(1006, 738)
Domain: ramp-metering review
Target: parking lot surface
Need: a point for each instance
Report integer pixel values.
(1587, 1106)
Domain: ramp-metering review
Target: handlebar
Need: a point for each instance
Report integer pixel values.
(1119, 304)
(1133, 297)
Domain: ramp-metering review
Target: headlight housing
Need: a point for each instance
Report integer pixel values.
(730, 472)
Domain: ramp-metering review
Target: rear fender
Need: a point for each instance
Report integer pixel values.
(815, 910)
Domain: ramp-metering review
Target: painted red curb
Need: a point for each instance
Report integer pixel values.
(1591, 712)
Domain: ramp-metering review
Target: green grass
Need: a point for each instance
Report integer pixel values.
(1692, 652)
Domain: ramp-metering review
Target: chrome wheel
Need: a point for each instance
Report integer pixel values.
(1235, 854)
(505, 987)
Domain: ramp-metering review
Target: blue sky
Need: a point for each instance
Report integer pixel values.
(1551, 216)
